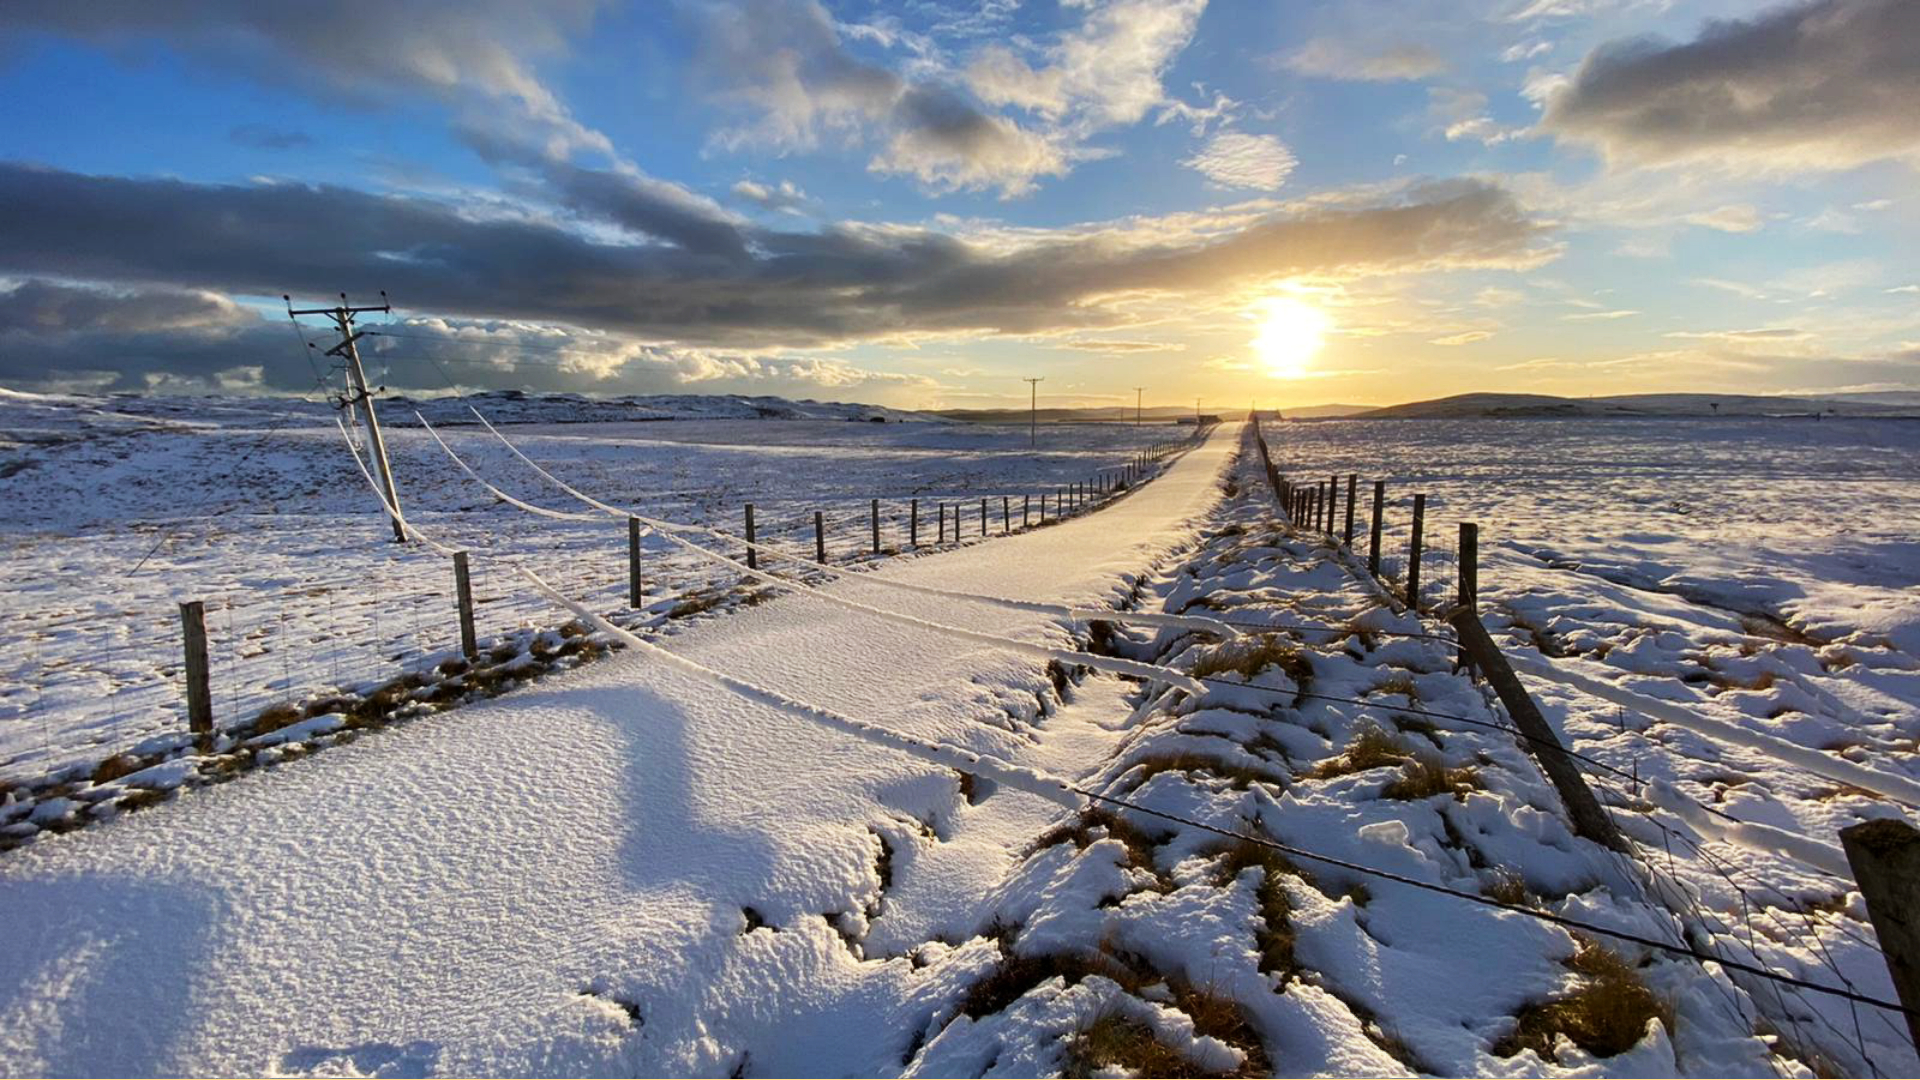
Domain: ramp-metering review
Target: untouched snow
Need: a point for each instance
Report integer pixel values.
(558, 881)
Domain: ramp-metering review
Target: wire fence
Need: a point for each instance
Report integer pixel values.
(101, 679)
(1763, 941)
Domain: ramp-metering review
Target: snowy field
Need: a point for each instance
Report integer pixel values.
(1763, 573)
(639, 868)
(119, 508)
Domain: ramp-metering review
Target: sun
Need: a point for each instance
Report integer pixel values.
(1291, 332)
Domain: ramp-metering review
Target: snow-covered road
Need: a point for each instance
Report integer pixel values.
(619, 870)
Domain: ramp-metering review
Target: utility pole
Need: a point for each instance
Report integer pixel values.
(359, 395)
(1033, 430)
(1196, 410)
(1136, 404)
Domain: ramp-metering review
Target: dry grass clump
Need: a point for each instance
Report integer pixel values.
(1115, 1041)
(1423, 777)
(1606, 1015)
(1373, 748)
(1276, 937)
(1242, 775)
(1249, 656)
(1508, 887)
(1139, 843)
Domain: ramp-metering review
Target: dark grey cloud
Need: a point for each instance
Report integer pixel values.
(1824, 85)
(360, 49)
(777, 289)
(264, 137)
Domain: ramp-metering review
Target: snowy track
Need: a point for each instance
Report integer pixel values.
(620, 869)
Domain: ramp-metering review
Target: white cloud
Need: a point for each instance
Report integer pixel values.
(1236, 159)
(1332, 58)
(1465, 337)
(1733, 218)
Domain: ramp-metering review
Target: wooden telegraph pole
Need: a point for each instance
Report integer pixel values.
(359, 395)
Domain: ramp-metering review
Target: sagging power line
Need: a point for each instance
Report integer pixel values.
(359, 395)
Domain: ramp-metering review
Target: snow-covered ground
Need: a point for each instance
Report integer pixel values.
(630, 869)
(119, 508)
(1761, 573)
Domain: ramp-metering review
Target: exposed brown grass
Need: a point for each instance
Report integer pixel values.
(1508, 887)
(115, 767)
(1249, 656)
(1423, 777)
(1139, 843)
(1605, 1015)
(1371, 749)
(1242, 775)
(1276, 937)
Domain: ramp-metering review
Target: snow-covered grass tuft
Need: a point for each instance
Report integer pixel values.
(1606, 1014)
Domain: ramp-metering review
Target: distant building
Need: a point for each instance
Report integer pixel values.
(1203, 418)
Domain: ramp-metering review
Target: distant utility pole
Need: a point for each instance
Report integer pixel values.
(1136, 404)
(1196, 410)
(1033, 429)
(358, 393)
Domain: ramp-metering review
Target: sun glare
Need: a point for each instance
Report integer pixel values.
(1291, 332)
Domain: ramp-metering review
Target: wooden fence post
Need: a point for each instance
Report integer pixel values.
(753, 558)
(819, 537)
(1589, 820)
(1026, 511)
(193, 628)
(913, 522)
(634, 584)
(1353, 481)
(983, 519)
(1006, 516)
(874, 512)
(463, 596)
(1413, 552)
(1885, 857)
(1470, 564)
(1373, 546)
(1333, 501)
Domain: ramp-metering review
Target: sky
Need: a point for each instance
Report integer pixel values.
(920, 204)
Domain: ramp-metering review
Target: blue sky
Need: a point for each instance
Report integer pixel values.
(919, 203)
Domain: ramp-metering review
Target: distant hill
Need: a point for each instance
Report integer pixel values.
(520, 407)
(1317, 411)
(1628, 405)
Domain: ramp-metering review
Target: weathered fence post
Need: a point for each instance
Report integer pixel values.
(913, 522)
(1469, 564)
(1333, 501)
(193, 628)
(634, 584)
(1353, 482)
(874, 513)
(983, 518)
(1373, 546)
(463, 597)
(1589, 820)
(1885, 857)
(753, 557)
(1026, 511)
(1413, 552)
(1006, 516)
(819, 537)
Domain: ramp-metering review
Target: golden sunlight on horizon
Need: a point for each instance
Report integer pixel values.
(1291, 333)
